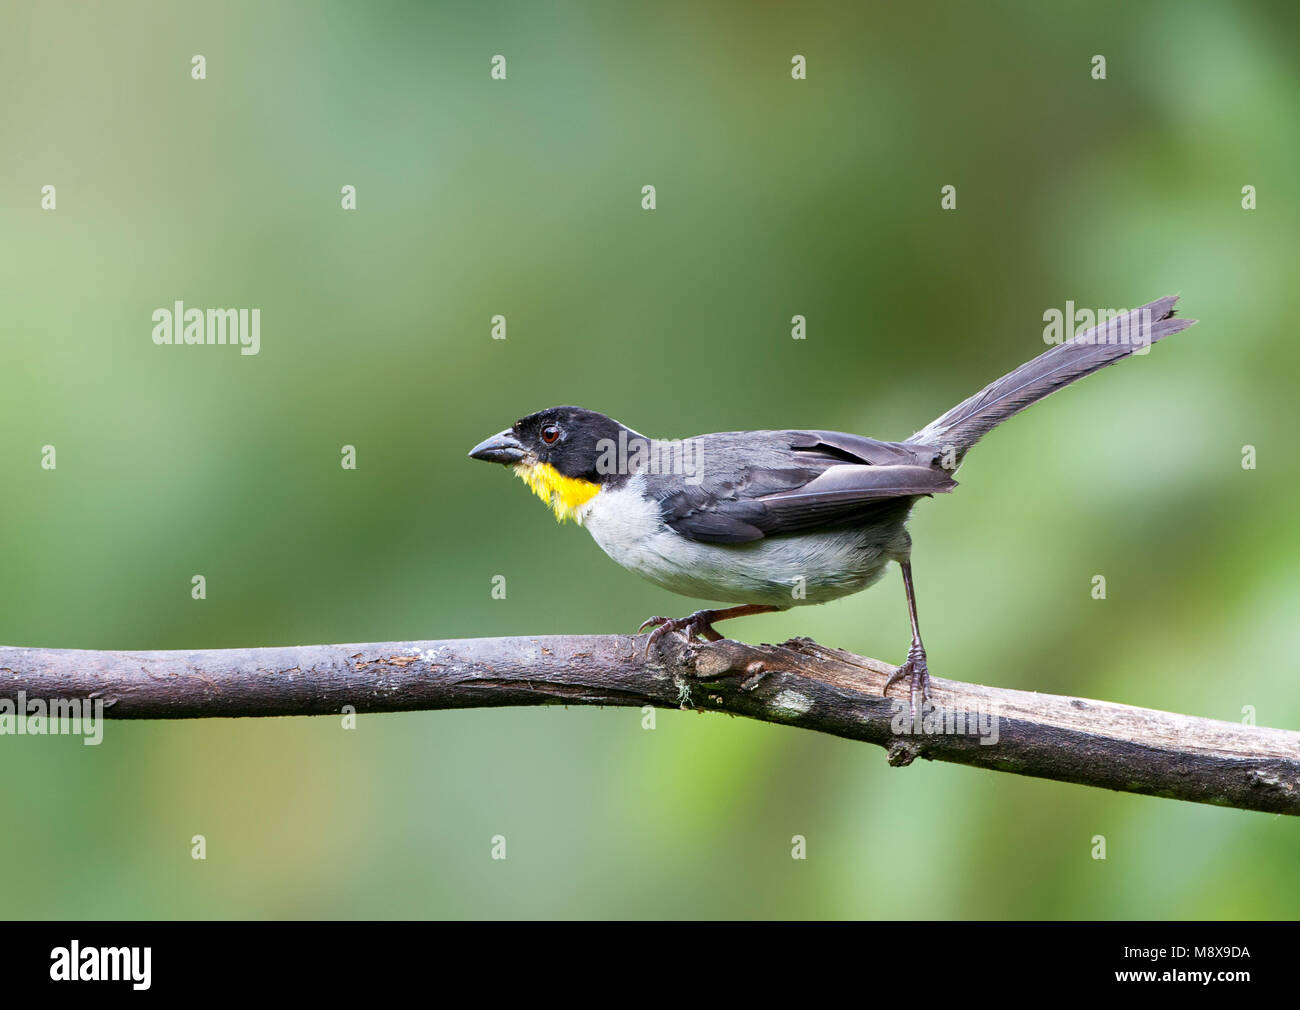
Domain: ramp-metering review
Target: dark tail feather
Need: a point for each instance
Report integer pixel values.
(967, 422)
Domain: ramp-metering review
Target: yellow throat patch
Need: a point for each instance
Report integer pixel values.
(565, 495)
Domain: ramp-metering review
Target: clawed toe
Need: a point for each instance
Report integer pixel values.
(919, 673)
(696, 624)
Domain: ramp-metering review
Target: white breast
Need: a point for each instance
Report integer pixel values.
(784, 571)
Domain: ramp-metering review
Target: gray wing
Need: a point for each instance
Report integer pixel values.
(750, 485)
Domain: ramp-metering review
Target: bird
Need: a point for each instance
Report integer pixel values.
(769, 520)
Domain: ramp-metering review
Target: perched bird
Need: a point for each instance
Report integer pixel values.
(768, 520)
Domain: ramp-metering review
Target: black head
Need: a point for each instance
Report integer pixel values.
(571, 439)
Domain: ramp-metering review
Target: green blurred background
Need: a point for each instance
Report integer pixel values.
(522, 197)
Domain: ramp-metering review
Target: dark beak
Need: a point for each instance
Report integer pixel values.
(502, 448)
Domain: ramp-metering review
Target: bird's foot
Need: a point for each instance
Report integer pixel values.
(918, 671)
(699, 623)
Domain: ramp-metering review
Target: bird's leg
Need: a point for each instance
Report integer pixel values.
(915, 667)
(700, 622)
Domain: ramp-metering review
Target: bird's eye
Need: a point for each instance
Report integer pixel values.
(550, 434)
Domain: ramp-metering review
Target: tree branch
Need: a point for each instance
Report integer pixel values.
(798, 683)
